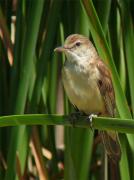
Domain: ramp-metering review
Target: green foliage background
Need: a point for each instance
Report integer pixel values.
(30, 83)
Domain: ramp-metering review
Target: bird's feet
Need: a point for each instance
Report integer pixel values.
(89, 120)
(73, 117)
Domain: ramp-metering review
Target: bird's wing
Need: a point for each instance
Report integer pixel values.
(106, 88)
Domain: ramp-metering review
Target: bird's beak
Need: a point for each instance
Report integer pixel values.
(59, 49)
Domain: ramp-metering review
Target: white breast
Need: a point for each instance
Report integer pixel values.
(81, 88)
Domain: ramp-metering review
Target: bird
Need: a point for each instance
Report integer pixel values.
(88, 84)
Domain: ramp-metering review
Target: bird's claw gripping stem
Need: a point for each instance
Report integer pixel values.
(73, 117)
(89, 119)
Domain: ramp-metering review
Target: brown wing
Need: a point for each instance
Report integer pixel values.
(106, 88)
(110, 139)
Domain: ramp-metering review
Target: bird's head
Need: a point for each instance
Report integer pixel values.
(77, 48)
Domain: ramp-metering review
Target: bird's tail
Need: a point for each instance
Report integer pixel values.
(111, 142)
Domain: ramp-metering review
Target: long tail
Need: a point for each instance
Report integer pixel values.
(111, 142)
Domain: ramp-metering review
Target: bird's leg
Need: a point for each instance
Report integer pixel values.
(74, 116)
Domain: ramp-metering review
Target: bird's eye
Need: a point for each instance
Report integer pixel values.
(78, 44)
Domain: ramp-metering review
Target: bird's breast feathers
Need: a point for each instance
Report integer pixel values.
(81, 87)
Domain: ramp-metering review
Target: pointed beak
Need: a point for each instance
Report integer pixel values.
(59, 49)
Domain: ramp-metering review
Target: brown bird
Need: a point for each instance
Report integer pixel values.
(88, 85)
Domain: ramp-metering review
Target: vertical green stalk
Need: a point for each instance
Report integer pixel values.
(128, 40)
(28, 54)
(46, 51)
(103, 12)
(19, 135)
(19, 40)
(114, 25)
